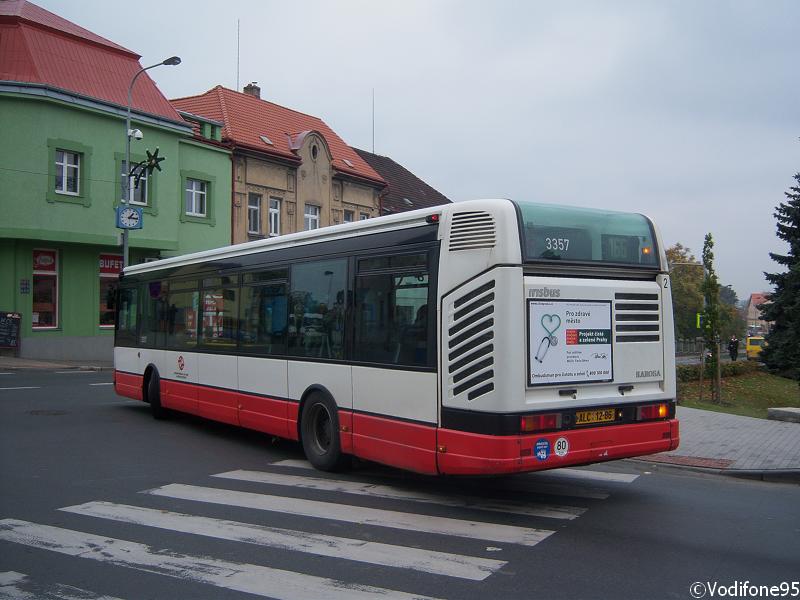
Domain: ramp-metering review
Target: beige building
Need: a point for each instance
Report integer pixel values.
(290, 171)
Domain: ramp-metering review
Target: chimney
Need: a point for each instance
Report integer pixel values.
(253, 89)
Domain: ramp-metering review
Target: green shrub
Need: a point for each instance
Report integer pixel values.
(729, 369)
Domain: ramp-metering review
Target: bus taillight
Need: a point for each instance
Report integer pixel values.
(652, 411)
(540, 422)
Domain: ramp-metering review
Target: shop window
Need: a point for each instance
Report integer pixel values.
(110, 267)
(44, 313)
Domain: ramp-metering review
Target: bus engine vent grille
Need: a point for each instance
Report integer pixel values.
(470, 343)
(472, 230)
(637, 317)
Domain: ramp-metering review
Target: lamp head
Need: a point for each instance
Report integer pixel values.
(172, 61)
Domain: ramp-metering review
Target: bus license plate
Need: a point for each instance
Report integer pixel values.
(585, 417)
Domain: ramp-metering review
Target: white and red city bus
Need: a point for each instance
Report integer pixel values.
(480, 337)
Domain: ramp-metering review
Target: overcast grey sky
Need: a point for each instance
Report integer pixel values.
(687, 111)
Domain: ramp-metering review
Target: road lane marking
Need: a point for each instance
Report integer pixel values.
(21, 587)
(7, 373)
(104, 383)
(550, 489)
(22, 387)
(589, 475)
(357, 514)
(401, 557)
(384, 491)
(242, 577)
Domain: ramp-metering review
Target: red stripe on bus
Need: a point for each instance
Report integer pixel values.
(128, 385)
(463, 453)
(395, 443)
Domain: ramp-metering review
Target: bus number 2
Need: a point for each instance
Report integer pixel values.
(557, 244)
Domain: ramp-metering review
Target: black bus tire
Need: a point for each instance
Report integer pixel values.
(319, 430)
(154, 397)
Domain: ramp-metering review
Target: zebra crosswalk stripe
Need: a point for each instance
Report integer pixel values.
(254, 579)
(535, 481)
(384, 491)
(357, 514)
(19, 586)
(588, 475)
(439, 563)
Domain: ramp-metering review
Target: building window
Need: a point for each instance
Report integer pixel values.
(311, 220)
(44, 313)
(196, 192)
(274, 216)
(254, 213)
(68, 172)
(139, 192)
(110, 266)
(348, 216)
(363, 216)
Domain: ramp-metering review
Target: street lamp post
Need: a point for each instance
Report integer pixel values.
(171, 61)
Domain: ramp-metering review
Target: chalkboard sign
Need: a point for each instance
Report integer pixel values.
(9, 329)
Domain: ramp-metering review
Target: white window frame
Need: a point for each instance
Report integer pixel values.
(274, 216)
(351, 214)
(195, 194)
(362, 216)
(254, 213)
(311, 214)
(63, 168)
(128, 181)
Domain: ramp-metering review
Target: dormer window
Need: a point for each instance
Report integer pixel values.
(314, 151)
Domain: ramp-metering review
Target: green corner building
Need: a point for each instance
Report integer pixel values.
(63, 104)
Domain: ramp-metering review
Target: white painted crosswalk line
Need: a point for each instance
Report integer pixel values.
(357, 514)
(243, 577)
(552, 489)
(18, 586)
(439, 563)
(384, 491)
(589, 475)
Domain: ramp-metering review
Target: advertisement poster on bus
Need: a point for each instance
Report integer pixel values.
(569, 341)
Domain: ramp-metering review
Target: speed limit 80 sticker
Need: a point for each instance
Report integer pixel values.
(561, 447)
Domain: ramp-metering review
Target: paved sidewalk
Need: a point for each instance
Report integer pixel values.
(11, 363)
(735, 445)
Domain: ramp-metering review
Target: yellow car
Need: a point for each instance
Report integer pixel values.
(754, 345)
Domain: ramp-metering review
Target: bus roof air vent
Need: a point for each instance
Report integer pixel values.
(472, 230)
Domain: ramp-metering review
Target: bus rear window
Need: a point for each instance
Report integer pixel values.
(565, 233)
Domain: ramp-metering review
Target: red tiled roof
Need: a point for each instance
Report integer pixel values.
(246, 118)
(403, 185)
(37, 46)
(758, 298)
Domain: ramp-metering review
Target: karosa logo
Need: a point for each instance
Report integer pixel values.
(544, 293)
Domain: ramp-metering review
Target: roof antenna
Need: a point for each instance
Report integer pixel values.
(237, 55)
(373, 120)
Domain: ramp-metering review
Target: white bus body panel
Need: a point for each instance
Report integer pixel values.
(403, 394)
(263, 376)
(337, 379)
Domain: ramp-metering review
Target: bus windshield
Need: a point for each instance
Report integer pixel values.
(565, 233)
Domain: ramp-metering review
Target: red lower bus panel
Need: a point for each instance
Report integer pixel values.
(396, 443)
(266, 414)
(179, 395)
(346, 431)
(220, 405)
(128, 385)
(463, 453)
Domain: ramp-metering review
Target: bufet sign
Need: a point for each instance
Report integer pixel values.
(569, 341)
(110, 264)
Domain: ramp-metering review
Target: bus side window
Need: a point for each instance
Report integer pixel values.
(127, 317)
(392, 319)
(263, 319)
(181, 318)
(152, 332)
(317, 309)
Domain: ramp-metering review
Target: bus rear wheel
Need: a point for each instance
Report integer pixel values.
(319, 428)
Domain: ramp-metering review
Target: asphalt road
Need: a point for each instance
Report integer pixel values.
(99, 500)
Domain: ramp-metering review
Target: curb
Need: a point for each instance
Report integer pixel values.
(767, 475)
(42, 367)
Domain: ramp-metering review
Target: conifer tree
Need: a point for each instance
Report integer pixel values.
(782, 355)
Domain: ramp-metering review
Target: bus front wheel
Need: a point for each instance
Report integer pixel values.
(319, 428)
(154, 396)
